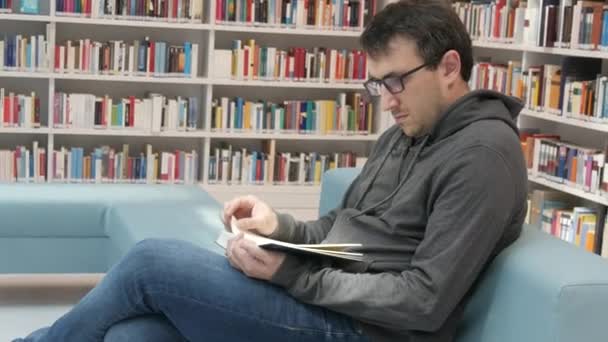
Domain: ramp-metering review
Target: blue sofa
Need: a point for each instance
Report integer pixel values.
(540, 289)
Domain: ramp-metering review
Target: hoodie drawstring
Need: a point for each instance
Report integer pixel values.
(401, 183)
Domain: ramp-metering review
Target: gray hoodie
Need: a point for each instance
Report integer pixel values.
(430, 212)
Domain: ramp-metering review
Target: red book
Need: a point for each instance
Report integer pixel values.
(256, 62)
(258, 170)
(16, 109)
(249, 11)
(103, 111)
(364, 56)
(57, 57)
(219, 4)
(356, 57)
(246, 62)
(132, 111)
(7, 110)
(174, 8)
(152, 55)
(296, 63)
(177, 158)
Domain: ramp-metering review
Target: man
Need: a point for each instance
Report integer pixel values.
(442, 193)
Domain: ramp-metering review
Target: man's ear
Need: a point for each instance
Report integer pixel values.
(450, 66)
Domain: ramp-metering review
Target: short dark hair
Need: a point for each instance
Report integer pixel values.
(432, 24)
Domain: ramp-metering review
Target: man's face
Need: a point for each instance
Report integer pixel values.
(418, 106)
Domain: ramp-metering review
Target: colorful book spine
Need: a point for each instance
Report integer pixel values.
(116, 57)
(22, 53)
(233, 166)
(348, 114)
(343, 15)
(23, 165)
(108, 165)
(182, 10)
(251, 61)
(155, 113)
(18, 110)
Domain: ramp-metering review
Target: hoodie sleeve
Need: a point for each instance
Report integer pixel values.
(472, 203)
(310, 232)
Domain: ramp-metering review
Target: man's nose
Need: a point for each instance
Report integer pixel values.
(389, 101)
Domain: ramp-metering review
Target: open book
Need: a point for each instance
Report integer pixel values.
(331, 250)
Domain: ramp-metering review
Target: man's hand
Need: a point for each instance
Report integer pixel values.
(252, 260)
(251, 214)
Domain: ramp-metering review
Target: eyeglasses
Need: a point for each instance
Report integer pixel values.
(394, 84)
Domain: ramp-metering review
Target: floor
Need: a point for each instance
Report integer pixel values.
(27, 307)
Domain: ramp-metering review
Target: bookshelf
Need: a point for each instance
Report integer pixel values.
(555, 34)
(210, 36)
(501, 48)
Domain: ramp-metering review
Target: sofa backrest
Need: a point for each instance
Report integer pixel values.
(539, 289)
(75, 210)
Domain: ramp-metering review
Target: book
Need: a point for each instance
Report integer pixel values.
(338, 250)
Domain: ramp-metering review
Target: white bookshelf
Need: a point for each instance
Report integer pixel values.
(210, 36)
(580, 132)
(541, 49)
(600, 127)
(570, 190)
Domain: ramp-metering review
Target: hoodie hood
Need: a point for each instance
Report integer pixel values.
(475, 106)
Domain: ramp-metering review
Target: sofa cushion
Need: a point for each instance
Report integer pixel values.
(197, 222)
(539, 289)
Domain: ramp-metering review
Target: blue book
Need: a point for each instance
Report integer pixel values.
(294, 11)
(74, 162)
(141, 63)
(303, 117)
(133, 9)
(604, 29)
(192, 112)
(238, 117)
(254, 162)
(144, 172)
(157, 58)
(188, 55)
(80, 162)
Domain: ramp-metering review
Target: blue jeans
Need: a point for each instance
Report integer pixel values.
(170, 290)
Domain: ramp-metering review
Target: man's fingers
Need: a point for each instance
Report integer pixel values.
(254, 251)
(239, 204)
(249, 223)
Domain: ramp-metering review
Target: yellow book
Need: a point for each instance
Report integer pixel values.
(252, 61)
(331, 114)
(155, 176)
(218, 117)
(247, 115)
(317, 172)
(536, 89)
